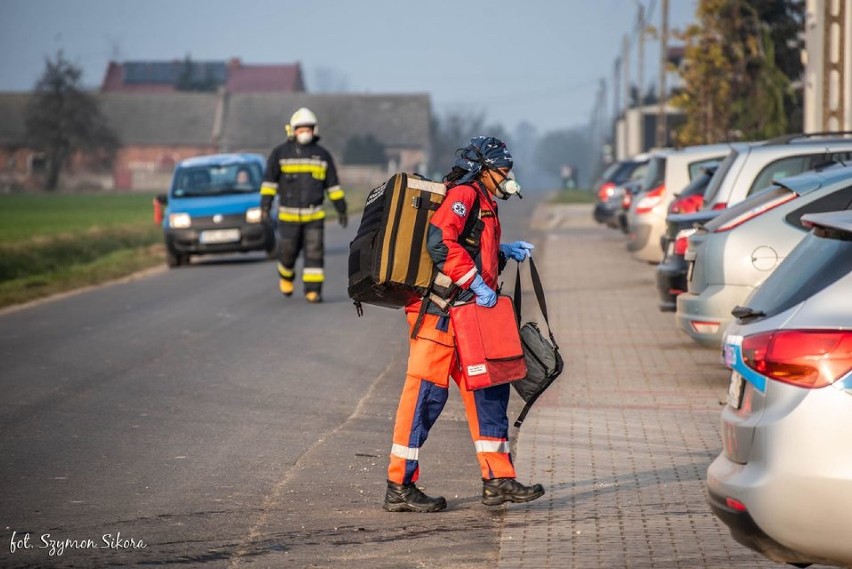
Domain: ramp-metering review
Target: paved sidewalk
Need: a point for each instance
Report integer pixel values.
(623, 440)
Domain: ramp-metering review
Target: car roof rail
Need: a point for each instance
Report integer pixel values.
(788, 138)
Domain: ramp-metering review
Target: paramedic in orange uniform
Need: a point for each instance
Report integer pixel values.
(480, 174)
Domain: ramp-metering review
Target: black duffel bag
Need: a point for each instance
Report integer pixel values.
(544, 363)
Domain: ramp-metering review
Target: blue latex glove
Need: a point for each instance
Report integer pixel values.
(517, 250)
(484, 295)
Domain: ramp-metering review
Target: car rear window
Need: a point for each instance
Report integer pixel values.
(782, 168)
(816, 263)
(609, 171)
(835, 201)
(697, 186)
(716, 183)
(697, 168)
(624, 172)
(655, 174)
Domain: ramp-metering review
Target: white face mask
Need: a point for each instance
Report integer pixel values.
(508, 187)
(304, 137)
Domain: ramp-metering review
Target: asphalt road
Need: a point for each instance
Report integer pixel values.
(198, 413)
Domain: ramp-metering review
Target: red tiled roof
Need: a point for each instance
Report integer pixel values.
(240, 79)
(265, 78)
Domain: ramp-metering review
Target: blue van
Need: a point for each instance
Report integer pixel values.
(213, 206)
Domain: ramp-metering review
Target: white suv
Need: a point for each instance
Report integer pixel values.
(669, 171)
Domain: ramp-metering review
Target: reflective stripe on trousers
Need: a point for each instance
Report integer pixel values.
(293, 238)
(422, 401)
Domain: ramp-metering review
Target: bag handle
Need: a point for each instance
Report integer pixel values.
(539, 295)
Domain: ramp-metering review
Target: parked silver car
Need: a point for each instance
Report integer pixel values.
(732, 254)
(783, 482)
(754, 166)
(669, 171)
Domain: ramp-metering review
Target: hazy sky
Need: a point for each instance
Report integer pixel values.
(539, 61)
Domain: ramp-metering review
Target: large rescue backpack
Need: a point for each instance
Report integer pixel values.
(388, 261)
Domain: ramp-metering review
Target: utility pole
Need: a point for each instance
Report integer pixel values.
(625, 67)
(641, 76)
(664, 48)
(616, 82)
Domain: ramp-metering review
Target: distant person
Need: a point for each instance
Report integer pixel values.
(569, 180)
(301, 172)
(481, 174)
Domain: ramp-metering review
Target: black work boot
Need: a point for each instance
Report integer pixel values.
(409, 498)
(499, 490)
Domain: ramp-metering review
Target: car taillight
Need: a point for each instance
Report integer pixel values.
(650, 199)
(735, 504)
(606, 191)
(805, 358)
(682, 240)
(756, 211)
(720, 205)
(687, 204)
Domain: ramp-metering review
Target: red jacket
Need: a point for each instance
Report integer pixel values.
(461, 262)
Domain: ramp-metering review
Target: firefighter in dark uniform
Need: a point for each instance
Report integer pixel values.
(301, 173)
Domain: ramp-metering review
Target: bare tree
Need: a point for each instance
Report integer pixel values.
(452, 131)
(62, 119)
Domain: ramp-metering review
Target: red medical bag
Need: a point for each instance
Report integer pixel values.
(488, 343)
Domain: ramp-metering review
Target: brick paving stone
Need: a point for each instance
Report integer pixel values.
(622, 441)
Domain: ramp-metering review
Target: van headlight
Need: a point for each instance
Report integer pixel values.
(179, 220)
(253, 215)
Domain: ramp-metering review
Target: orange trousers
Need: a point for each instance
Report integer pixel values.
(431, 362)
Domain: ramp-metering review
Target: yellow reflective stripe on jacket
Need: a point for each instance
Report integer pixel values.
(335, 193)
(300, 214)
(268, 189)
(316, 168)
(313, 275)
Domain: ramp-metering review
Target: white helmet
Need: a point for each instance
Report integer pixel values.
(303, 117)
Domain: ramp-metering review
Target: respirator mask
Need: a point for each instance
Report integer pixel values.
(304, 137)
(507, 187)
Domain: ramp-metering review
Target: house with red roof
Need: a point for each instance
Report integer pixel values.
(233, 76)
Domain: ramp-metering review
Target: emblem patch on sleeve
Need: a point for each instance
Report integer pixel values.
(459, 209)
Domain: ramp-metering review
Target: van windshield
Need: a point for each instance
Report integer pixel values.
(197, 181)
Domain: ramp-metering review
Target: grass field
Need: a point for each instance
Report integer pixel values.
(573, 196)
(55, 243)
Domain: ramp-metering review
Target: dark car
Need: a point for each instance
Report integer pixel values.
(681, 220)
(672, 270)
(609, 188)
(691, 198)
(630, 189)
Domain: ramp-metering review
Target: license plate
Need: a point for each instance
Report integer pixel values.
(219, 236)
(735, 390)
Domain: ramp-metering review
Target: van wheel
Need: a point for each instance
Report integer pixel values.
(176, 260)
